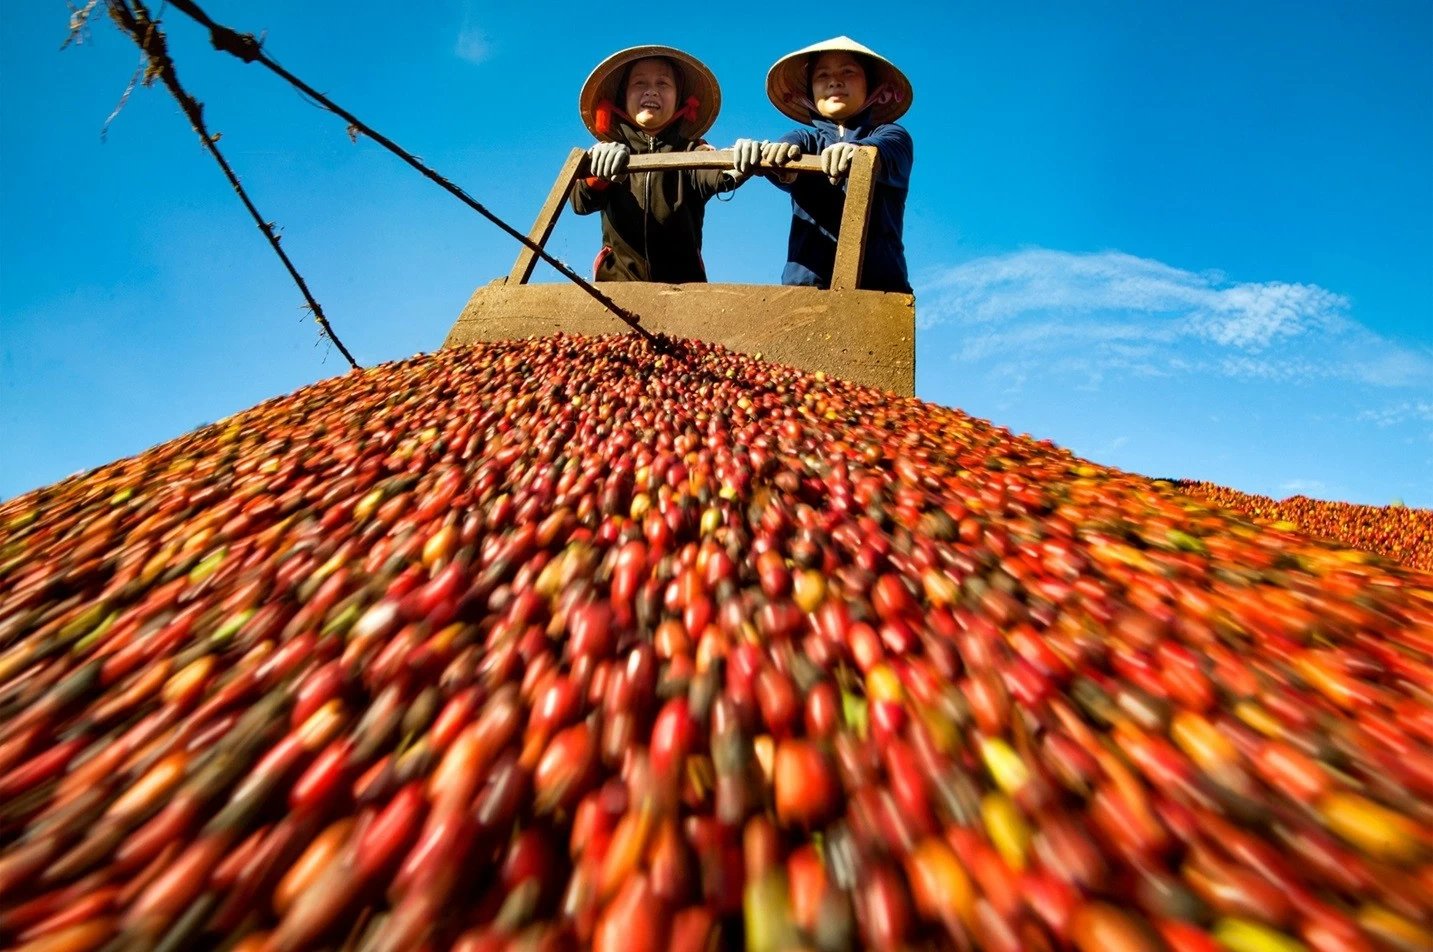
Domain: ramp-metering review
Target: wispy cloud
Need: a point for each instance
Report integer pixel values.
(1107, 313)
(473, 44)
(1302, 486)
(1116, 443)
(1405, 412)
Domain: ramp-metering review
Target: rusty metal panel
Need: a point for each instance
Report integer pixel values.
(864, 336)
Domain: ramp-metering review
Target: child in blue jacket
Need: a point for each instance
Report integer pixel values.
(851, 97)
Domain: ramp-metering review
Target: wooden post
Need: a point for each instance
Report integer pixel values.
(851, 246)
(547, 216)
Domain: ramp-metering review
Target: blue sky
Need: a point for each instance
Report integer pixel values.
(1186, 240)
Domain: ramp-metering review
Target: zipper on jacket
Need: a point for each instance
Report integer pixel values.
(647, 210)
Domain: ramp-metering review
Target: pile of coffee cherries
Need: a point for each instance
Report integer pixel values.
(1401, 533)
(567, 643)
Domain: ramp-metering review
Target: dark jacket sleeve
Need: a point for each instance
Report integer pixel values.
(711, 182)
(806, 138)
(588, 198)
(897, 151)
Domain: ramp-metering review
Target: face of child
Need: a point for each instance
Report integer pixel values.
(651, 93)
(838, 85)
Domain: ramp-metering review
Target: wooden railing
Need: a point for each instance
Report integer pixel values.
(850, 247)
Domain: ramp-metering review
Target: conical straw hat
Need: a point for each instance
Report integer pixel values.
(788, 88)
(695, 80)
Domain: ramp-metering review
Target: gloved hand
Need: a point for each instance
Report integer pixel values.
(751, 154)
(779, 153)
(608, 160)
(836, 160)
(747, 155)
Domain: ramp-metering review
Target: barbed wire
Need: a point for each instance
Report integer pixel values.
(249, 48)
(134, 20)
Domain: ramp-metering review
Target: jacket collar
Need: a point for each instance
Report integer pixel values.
(856, 127)
(668, 140)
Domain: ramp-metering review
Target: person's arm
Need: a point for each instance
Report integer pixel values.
(897, 151)
(805, 139)
(589, 195)
(712, 182)
(608, 164)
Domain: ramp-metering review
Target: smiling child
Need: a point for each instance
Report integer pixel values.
(851, 97)
(643, 100)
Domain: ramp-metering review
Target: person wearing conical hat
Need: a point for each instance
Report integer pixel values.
(642, 100)
(849, 96)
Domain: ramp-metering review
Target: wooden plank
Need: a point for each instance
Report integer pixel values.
(547, 217)
(851, 245)
(850, 248)
(710, 159)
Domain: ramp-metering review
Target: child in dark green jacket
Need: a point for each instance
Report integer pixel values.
(643, 100)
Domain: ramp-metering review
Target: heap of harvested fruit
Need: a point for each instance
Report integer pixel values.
(556, 643)
(1398, 532)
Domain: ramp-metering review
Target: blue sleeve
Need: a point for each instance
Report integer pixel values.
(897, 152)
(806, 138)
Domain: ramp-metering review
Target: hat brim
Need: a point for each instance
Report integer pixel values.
(787, 86)
(696, 80)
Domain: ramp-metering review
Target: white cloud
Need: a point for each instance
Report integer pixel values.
(1408, 410)
(1113, 446)
(473, 44)
(1302, 486)
(1113, 313)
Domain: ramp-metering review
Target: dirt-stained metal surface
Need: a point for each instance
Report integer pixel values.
(864, 336)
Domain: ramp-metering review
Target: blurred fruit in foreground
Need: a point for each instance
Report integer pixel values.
(556, 643)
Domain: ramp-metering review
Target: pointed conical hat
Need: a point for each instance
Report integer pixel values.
(695, 80)
(789, 90)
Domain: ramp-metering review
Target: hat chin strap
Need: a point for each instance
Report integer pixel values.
(884, 94)
(607, 109)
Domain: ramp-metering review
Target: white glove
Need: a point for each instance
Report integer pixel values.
(747, 155)
(608, 160)
(752, 154)
(779, 153)
(836, 160)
